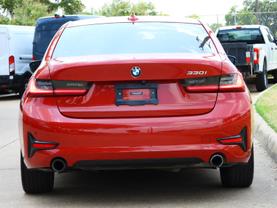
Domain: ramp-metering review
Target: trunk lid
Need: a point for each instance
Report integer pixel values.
(115, 92)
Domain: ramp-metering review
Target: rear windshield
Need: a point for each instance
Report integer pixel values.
(127, 38)
(250, 36)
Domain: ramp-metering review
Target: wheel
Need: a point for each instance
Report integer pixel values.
(238, 175)
(36, 181)
(261, 80)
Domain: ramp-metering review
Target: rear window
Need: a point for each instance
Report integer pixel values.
(127, 38)
(250, 36)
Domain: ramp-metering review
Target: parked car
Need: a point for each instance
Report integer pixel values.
(255, 49)
(144, 92)
(46, 28)
(15, 56)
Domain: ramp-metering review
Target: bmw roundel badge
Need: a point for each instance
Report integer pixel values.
(136, 71)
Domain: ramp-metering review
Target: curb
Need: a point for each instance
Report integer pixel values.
(265, 134)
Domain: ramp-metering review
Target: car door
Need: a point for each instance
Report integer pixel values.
(4, 52)
(272, 49)
(22, 48)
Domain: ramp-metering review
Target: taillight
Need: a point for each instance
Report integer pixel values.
(225, 83)
(248, 57)
(256, 55)
(12, 65)
(40, 88)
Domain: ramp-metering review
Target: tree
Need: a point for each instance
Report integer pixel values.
(29, 12)
(144, 8)
(125, 8)
(69, 6)
(255, 12)
(4, 20)
(215, 26)
(116, 8)
(241, 17)
(9, 6)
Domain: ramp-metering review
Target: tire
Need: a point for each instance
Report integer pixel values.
(238, 176)
(36, 181)
(261, 80)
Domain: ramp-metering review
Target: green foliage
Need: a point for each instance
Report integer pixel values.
(125, 8)
(116, 8)
(215, 26)
(28, 12)
(241, 17)
(4, 20)
(255, 12)
(144, 8)
(72, 6)
(10, 5)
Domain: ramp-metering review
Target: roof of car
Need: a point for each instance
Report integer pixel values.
(106, 20)
(241, 26)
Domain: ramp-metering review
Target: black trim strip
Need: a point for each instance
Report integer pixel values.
(136, 163)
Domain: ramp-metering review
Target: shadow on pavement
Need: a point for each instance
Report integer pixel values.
(137, 188)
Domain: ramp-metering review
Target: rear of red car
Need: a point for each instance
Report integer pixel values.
(135, 93)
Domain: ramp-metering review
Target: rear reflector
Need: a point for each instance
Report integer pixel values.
(256, 55)
(240, 140)
(34, 145)
(225, 83)
(12, 65)
(38, 88)
(248, 57)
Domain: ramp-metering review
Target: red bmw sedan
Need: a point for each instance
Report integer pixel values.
(135, 93)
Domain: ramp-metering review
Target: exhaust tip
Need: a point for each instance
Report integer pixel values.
(58, 165)
(217, 161)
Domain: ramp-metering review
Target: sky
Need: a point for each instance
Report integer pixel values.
(211, 11)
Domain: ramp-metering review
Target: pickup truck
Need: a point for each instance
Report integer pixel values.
(254, 49)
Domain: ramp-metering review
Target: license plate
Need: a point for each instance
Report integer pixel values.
(136, 94)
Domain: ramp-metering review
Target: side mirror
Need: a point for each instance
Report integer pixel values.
(34, 65)
(233, 59)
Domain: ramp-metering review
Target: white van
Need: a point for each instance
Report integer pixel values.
(15, 56)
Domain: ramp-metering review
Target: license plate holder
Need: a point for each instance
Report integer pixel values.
(138, 90)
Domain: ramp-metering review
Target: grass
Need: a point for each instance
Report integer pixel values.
(266, 106)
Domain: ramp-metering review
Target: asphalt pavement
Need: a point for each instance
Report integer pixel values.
(190, 188)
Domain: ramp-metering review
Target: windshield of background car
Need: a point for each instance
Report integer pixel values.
(128, 38)
(250, 36)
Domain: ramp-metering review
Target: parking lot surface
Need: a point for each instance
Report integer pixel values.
(190, 188)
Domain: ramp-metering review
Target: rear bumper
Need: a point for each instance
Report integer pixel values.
(84, 141)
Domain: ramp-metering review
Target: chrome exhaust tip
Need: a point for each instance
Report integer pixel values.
(217, 161)
(58, 165)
